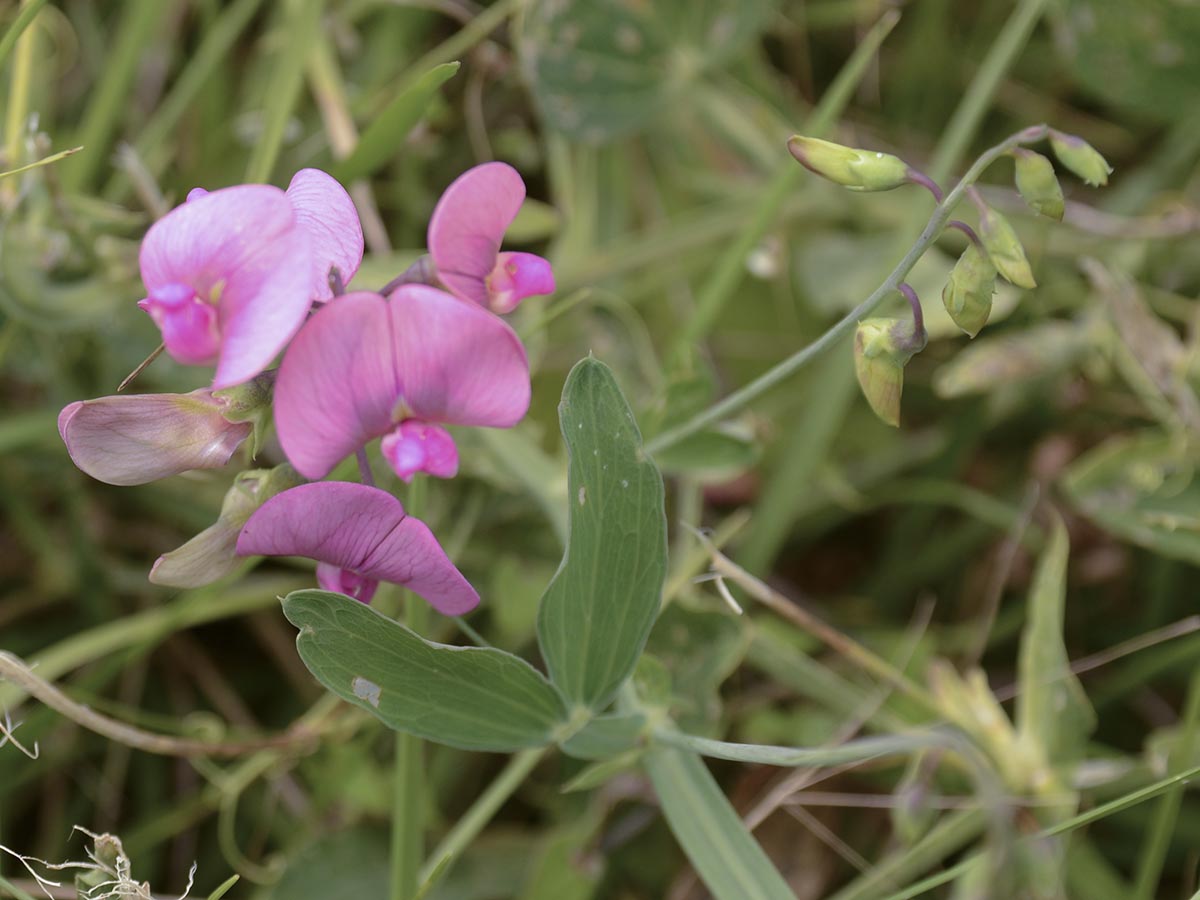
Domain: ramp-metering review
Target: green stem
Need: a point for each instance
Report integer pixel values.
(408, 793)
(1162, 825)
(477, 817)
(937, 222)
(19, 87)
(728, 271)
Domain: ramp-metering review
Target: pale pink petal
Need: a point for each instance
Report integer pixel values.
(360, 529)
(468, 225)
(457, 363)
(337, 384)
(517, 276)
(326, 211)
(138, 438)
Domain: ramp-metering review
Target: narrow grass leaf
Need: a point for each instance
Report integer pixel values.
(384, 137)
(469, 697)
(44, 161)
(725, 855)
(766, 754)
(597, 612)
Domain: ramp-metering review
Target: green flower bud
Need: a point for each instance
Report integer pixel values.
(1004, 248)
(210, 554)
(1081, 158)
(1037, 184)
(967, 296)
(882, 347)
(250, 402)
(859, 170)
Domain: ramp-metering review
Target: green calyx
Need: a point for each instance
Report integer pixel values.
(858, 170)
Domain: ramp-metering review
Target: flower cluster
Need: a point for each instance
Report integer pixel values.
(237, 276)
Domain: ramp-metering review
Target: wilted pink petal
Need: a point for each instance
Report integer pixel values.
(326, 211)
(228, 278)
(414, 446)
(364, 365)
(517, 276)
(337, 384)
(457, 363)
(468, 225)
(138, 438)
(364, 531)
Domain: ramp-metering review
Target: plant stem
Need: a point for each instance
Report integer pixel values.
(408, 794)
(477, 817)
(19, 87)
(937, 221)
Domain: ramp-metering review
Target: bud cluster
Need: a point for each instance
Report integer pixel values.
(883, 346)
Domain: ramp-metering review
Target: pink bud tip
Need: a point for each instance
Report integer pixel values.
(515, 277)
(188, 324)
(196, 192)
(346, 581)
(415, 446)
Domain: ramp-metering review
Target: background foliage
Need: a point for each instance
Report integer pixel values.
(692, 255)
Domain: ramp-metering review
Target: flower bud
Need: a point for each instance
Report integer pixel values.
(859, 170)
(1037, 184)
(1004, 248)
(881, 349)
(1081, 158)
(211, 554)
(967, 296)
(138, 438)
(250, 402)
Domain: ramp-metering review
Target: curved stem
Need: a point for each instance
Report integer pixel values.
(967, 230)
(937, 221)
(918, 314)
(916, 176)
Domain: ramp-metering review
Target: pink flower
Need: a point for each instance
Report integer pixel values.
(230, 275)
(359, 536)
(465, 233)
(399, 368)
(138, 438)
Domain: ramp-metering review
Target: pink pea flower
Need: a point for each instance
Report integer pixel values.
(359, 536)
(399, 368)
(230, 275)
(138, 438)
(465, 233)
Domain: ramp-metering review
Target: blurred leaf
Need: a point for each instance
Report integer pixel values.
(225, 887)
(384, 138)
(606, 736)
(598, 773)
(352, 863)
(1011, 357)
(469, 697)
(598, 610)
(1138, 56)
(602, 68)
(535, 221)
(715, 454)
(1142, 488)
(1052, 711)
(725, 855)
(562, 870)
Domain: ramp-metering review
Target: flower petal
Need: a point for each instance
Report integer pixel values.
(242, 249)
(362, 529)
(138, 438)
(326, 211)
(337, 384)
(457, 363)
(468, 225)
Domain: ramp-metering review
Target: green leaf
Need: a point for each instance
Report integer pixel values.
(469, 697)
(1052, 711)
(597, 612)
(606, 736)
(383, 138)
(601, 68)
(598, 773)
(224, 887)
(727, 858)
(771, 755)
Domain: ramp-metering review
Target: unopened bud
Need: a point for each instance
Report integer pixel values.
(1004, 248)
(211, 554)
(138, 438)
(1081, 158)
(250, 402)
(881, 349)
(967, 295)
(859, 170)
(1037, 184)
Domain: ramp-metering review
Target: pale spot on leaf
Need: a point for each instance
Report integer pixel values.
(366, 690)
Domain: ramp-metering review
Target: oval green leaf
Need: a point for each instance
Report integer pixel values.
(597, 612)
(469, 697)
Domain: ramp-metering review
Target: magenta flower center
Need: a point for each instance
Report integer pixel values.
(346, 581)
(414, 446)
(515, 277)
(189, 324)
